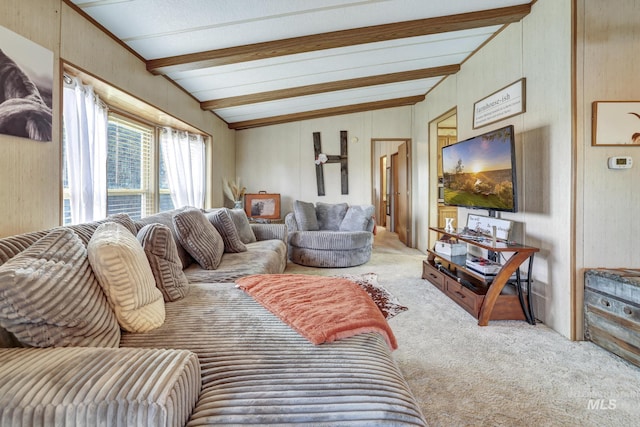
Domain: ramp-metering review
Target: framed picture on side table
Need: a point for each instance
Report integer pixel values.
(262, 205)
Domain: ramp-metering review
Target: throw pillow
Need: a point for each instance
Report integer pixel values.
(86, 229)
(166, 218)
(357, 218)
(49, 296)
(122, 269)
(330, 215)
(123, 219)
(223, 222)
(243, 226)
(162, 254)
(305, 214)
(199, 237)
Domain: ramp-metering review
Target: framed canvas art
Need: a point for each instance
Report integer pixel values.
(616, 123)
(262, 205)
(26, 83)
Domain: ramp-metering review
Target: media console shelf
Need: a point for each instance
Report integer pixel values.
(484, 297)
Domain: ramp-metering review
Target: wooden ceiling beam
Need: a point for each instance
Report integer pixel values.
(335, 111)
(330, 87)
(336, 39)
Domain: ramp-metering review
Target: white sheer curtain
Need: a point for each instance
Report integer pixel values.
(183, 155)
(85, 127)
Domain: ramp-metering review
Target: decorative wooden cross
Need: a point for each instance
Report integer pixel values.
(342, 159)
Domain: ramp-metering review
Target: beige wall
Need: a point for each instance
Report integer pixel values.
(608, 67)
(539, 49)
(30, 171)
(280, 158)
(608, 201)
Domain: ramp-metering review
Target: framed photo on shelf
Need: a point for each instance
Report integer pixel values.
(262, 205)
(615, 123)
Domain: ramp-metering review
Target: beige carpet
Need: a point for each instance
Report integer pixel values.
(506, 374)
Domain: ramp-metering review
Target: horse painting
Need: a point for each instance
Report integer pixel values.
(23, 112)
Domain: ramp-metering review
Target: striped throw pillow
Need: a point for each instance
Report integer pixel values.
(305, 214)
(122, 269)
(162, 254)
(223, 222)
(49, 296)
(199, 237)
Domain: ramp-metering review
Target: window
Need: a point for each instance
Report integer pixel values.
(136, 175)
(115, 155)
(130, 168)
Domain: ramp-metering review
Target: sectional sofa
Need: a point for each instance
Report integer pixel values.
(171, 340)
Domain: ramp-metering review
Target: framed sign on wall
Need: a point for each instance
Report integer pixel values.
(503, 103)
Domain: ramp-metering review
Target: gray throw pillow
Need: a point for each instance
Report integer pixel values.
(124, 220)
(305, 214)
(357, 218)
(330, 215)
(162, 254)
(242, 225)
(166, 218)
(199, 237)
(223, 222)
(51, 297)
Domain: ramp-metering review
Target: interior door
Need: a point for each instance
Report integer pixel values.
(393, 199)
(402, 193)
(382, 197)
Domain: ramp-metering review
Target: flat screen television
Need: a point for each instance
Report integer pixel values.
(480, 172)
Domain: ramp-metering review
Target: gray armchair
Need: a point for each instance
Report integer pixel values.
(330, 235)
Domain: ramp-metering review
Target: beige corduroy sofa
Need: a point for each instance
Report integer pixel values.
(216, 357)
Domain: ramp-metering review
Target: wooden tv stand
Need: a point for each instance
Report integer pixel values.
(484, 297)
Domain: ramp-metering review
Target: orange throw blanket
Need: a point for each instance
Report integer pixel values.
(322, 309)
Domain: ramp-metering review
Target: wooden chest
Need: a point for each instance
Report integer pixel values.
(612, 311)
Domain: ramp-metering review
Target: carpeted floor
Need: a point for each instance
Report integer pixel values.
(506, 374)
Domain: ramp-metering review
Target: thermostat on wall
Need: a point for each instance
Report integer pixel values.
(623, 162)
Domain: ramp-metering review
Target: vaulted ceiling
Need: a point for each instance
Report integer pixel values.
(261, 62)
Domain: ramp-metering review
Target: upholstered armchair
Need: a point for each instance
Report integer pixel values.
(330, 235)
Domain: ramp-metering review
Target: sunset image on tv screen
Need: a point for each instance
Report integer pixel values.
(479, 172)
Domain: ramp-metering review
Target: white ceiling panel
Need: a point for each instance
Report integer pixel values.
(327, 100)
(172, 27)
(216, 87)
(386, 50)
(323, 66)
(424, 46)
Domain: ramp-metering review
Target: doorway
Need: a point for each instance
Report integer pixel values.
(444, 130)
(391, 179)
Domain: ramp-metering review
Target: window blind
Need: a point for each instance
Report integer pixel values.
(130, 160)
